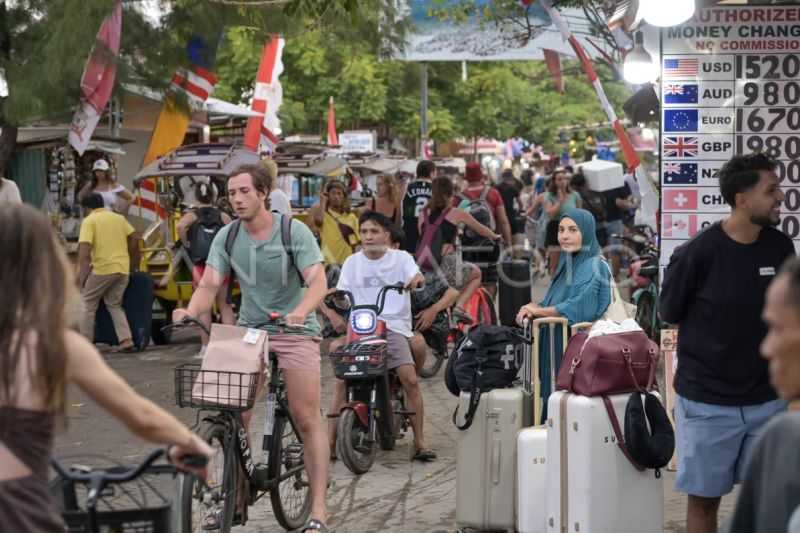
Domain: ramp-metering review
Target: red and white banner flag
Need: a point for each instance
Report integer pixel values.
(267, 98)
(195, 82)
(97, 81)
(333, 139)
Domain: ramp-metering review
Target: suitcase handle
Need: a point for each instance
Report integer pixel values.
(536, 329)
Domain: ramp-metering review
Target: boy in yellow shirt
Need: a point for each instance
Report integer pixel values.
(106, 247)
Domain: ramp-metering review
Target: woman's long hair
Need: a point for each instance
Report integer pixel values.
(441, 193)
(553, 189)
(37, 286)
(391, 186)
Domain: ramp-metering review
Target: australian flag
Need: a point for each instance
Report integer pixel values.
(680, 173)
(680, 93)
(678, 120)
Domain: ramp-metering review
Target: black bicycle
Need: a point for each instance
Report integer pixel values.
(120, 499)
(218, 504)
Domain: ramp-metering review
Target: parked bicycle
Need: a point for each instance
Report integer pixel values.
(218, 503)
(129, 498)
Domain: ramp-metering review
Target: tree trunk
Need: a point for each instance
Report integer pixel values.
(8, 141)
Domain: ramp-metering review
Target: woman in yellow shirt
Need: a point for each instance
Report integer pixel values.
(337, 223)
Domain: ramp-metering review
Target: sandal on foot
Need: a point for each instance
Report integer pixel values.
(424, 455)
(314, 525)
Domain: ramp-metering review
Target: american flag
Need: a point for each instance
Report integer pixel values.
(680, 147)
(673, 89)
(680, 68)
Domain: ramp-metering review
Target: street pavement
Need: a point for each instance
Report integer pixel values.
(396, 495)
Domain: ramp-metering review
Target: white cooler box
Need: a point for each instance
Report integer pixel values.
(603, 175)
(603, 492)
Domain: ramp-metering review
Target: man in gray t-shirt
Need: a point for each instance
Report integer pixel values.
(770, 493)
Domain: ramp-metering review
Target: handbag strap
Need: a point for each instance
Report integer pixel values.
(612, 416)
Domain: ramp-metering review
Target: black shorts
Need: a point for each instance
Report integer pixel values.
(551, 234)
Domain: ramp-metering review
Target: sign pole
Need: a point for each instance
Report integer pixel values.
(423, 112)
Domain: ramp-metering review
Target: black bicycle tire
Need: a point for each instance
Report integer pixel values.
(344, 445)
(274, 471)
(186, 482)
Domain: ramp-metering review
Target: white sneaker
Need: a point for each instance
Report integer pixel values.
(200, 353)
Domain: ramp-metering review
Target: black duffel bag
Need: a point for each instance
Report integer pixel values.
(488, 357)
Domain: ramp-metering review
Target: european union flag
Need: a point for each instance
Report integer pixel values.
(680, 93)
(679, 120)
(680, 173)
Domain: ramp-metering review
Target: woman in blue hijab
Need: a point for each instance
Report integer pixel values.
(580, 290)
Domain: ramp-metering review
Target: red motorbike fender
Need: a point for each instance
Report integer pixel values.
(361, 410)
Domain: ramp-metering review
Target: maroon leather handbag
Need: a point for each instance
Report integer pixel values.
(608, 364)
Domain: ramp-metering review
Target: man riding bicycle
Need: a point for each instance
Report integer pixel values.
(364, 274)
(271, 284)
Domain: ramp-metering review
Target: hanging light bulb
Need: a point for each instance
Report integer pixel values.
(663, 13)
(638, 67)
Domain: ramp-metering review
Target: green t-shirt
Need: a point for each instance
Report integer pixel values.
(269, 284)
(570, 202)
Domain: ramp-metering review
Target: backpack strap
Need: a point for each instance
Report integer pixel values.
(612, 416)
(286, 240)
(230, 238)
(474, 401)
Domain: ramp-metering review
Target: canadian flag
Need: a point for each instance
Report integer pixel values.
(680, 199)
(679, 225)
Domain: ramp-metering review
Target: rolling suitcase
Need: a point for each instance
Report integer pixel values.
(514, 281)
(486, 461)
(592, 487)
(532, 441)
(138, 305)
(532, 480)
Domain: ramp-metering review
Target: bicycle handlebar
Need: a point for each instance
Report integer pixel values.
(185, 323)
(380, 300)
(128, 474)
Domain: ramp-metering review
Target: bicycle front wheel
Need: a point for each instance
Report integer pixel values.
(201, 507)
(291, 494)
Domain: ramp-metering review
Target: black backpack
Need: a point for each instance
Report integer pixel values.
(488, 357)
(286, 240)
(201, 234)
(481, 211)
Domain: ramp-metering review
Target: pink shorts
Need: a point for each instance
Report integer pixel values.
(295, 352)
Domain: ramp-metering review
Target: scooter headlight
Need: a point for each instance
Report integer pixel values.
(363, 321)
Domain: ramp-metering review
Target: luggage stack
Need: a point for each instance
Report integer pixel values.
(567, 475)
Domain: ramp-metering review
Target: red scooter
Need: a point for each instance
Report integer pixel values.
(375, 411)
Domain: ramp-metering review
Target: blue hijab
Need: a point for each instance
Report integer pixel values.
(580, 290)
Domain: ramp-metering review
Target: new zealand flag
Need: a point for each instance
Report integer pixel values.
(680, 93)
(680, 173)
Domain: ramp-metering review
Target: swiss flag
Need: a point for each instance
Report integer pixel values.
(680, 199)
(679, 225)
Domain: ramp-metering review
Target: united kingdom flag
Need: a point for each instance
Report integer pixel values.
(681, 147)
(673, 89)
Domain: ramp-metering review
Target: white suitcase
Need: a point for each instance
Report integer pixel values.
(486, 461)
(592, 488)
(532, 480)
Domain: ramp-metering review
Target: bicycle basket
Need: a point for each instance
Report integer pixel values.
(138, 506)
(360, 360)
(214, 389)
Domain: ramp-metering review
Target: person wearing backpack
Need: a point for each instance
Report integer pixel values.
(197, 229)
(485, 204)
(436, 252)
(558, 199)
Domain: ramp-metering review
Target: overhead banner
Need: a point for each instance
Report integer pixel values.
(730, 85)
(438, 33)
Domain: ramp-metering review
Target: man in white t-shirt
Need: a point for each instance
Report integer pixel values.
(9, 192)
(364, 274)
